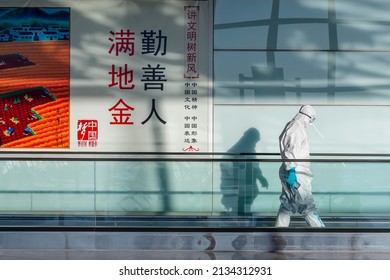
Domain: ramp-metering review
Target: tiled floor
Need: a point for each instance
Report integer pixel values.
(79, 245)
(8, 254)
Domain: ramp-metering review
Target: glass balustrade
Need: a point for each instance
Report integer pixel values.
(190, 190)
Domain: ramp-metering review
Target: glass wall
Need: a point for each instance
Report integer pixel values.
(272, 56)
(216, 190)
(287, 52)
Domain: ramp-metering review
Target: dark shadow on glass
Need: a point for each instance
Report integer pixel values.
(239, 178)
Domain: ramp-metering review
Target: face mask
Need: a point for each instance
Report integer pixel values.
(311, 118)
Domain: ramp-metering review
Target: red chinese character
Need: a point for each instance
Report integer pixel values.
(123, 42)
(191, 25)
(191, 36)
(125, 77)
(191, 57)
(120, 117)
(192, 12)
(191, 68)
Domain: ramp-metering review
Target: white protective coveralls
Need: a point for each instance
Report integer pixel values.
(293, 143)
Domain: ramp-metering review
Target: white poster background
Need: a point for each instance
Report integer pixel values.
(90, 64)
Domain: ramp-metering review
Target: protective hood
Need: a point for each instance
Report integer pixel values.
(305, 114)
(308, 110)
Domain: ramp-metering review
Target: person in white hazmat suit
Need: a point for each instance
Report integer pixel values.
(296, 176)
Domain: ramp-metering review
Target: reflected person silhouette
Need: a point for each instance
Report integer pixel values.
(239, 178)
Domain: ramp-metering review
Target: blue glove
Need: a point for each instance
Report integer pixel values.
(292, 178)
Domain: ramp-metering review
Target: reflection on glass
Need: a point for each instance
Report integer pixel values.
(307, 42)
(303, 77)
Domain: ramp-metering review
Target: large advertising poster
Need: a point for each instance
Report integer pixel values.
(111, 76)
(34, 77)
